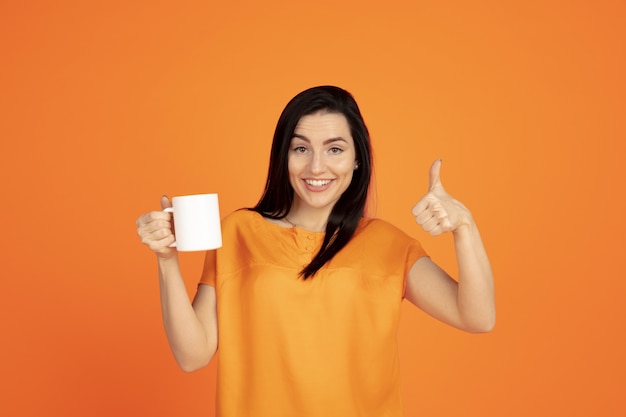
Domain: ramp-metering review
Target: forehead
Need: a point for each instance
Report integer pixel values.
(323, 125)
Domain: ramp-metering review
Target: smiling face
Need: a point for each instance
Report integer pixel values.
(321, 161)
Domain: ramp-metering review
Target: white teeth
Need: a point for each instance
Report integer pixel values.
(317, 183)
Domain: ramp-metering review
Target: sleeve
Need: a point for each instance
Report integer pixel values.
(215, 261)
(210, 268)
(414, 252)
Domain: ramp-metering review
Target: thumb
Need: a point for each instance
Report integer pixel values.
(434, 179)
(165, 202)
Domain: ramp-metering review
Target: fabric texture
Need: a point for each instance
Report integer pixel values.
(321, 347)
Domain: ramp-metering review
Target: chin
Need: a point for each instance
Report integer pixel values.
(316, 204)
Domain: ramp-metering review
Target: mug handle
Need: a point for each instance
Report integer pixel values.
(170, 210)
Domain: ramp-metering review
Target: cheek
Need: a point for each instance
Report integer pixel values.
(291, 165)
(347, 168)
(293, 170)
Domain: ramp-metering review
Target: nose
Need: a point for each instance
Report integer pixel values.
(317, 163)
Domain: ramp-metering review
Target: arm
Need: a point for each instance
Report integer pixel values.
(469, 303)
(191, 328)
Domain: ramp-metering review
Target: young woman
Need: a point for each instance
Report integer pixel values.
(305, 293)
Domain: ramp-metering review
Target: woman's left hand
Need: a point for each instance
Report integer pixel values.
(438, 212)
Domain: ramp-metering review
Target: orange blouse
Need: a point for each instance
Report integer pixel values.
(322, 347)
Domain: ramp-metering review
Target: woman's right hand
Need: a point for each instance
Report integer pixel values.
(155, 230)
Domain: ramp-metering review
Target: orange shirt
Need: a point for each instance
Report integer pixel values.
(320, 347)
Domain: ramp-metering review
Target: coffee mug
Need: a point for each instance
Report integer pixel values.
(196, 222)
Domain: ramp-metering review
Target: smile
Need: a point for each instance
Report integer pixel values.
(317, 183)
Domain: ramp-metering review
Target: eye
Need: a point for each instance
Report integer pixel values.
(299, 149)
(335, 150)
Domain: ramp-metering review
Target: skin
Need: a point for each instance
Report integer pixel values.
(191, 328)
(321, 161)
(468, 304)
(323, 150)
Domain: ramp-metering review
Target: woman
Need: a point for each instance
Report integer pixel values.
(306, 291)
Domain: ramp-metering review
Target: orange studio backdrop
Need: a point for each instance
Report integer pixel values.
(105, 106)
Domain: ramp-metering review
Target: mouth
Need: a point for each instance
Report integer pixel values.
(317, 183)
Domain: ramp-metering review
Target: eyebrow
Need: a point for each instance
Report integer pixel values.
(326, 142)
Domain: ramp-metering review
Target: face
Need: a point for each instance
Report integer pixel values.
(321, 161)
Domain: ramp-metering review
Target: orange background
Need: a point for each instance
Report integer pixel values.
(107, 105)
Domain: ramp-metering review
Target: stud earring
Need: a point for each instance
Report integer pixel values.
(356, 165)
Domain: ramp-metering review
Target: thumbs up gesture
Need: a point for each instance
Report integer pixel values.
(438, 212)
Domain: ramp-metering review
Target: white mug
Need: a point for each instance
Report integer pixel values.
(196, 222)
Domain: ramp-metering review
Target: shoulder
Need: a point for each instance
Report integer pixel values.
(239, 222)
(249, 224)
(386, 238)
(381, 228)
(242, 218)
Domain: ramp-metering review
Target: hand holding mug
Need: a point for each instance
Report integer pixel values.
(196, 219)
(155, 230)
(196, 222)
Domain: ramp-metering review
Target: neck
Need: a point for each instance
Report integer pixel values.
(312, 220)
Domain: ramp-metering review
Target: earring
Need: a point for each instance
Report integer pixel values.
(356, 165)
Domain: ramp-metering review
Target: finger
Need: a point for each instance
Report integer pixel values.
(423, 204)
(434, 178)
(446, 224)
(154, 231)
(165, 202)
(161, 245)
(154, 236)
(437, 230)
(431, 224)
(153, 226)
(438, 226)
(153, 216)
(424, 217)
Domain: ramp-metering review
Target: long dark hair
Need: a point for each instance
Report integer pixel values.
(277, 197)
